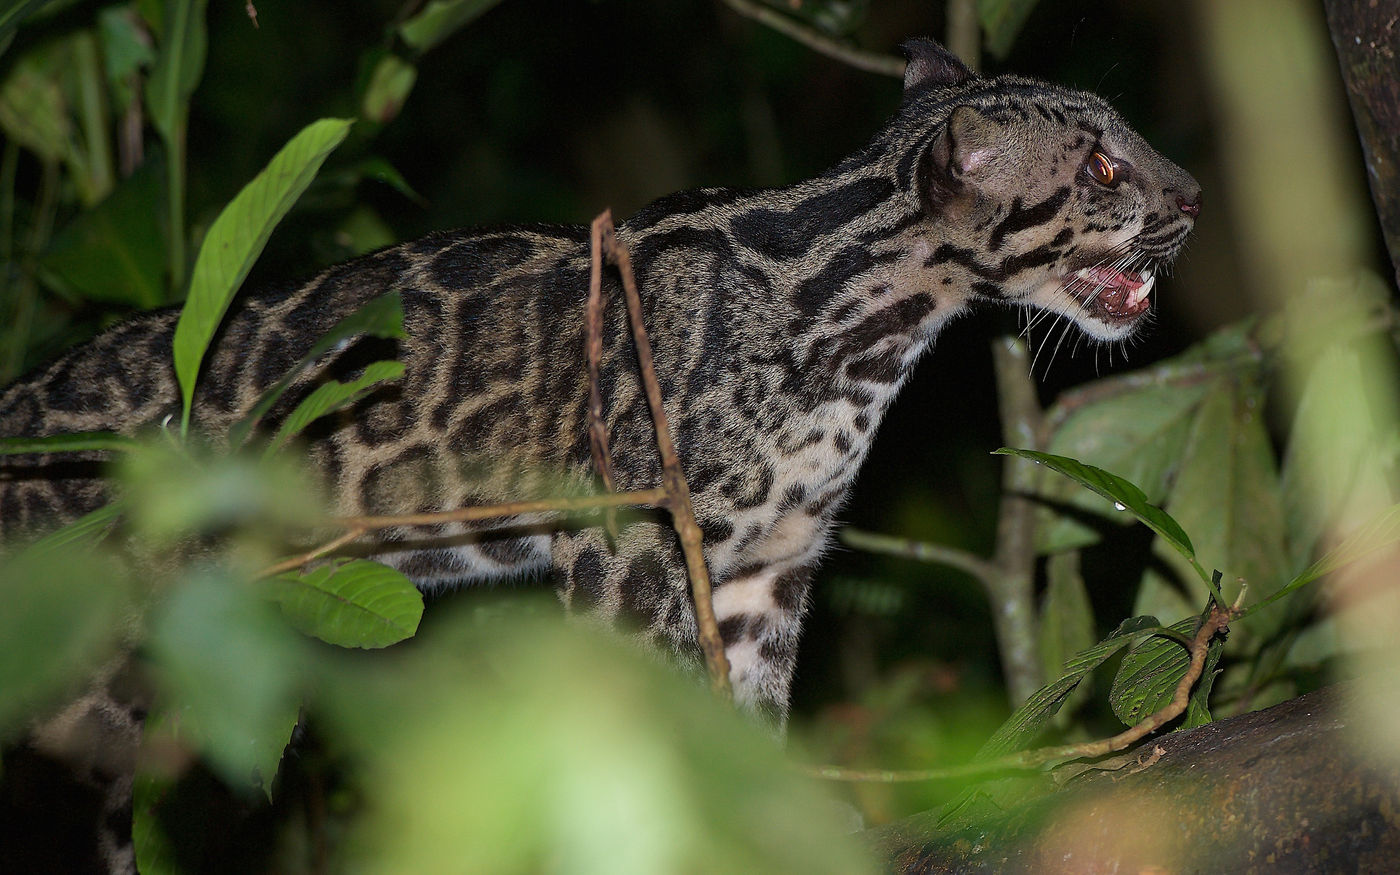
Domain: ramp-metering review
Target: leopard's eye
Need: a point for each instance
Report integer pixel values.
(1102, 169)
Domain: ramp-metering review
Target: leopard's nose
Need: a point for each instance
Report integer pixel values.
(1189, 204)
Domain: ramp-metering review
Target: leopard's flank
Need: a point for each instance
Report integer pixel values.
(783, 322)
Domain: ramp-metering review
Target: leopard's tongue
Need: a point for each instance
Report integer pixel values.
(1119, 294)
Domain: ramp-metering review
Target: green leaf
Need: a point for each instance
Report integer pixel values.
(1066, 616)
(126, 50)
(1150, 672)
(85, 531)
(113, 253)
(332, 396)
(1138, 433)
(439, 19)
(388, 89)
(62, 618)
(352, 604)
(1001, 21)
(380, 170)
(173, 494)
(33, 109)
(14, 13)
(661, 777)
(178, 67)
(236, 238)
(1023, 725)
(381, 317)
(1125, 495)
(1371, 538)
(230, 671)
(81, 442)
(155, 854)
(1227, 493)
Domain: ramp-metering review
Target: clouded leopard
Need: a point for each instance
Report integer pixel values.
(783, 323)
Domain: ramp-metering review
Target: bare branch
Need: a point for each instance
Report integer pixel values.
(871, 62)
(923, 551)
(593, 353)
(677, 492)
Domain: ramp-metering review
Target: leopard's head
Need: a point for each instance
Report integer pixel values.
(1043, 195)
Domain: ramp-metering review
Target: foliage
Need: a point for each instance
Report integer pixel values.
(1202, 447)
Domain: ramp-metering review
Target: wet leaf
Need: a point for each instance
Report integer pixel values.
(1138, 434)
(1117, 490)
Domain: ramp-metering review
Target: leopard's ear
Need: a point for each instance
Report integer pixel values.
(932, 66)
(962, 160)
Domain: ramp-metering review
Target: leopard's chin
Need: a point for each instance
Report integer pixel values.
(1111, 302)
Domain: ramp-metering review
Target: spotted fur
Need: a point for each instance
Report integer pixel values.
(784, 322)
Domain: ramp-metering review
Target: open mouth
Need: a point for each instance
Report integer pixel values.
(1114, 296)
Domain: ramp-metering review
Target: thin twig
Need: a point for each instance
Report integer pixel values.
(871, 62)
(653, 497)
(358, 526)
(1218, 620)
(923, 551)
(677, 492)
(593, 353)
(315, 553)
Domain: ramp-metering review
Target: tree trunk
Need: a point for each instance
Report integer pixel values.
(1366, 34)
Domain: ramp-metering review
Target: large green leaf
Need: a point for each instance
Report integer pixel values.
(332, 396)
(1023, 725)
(113, 253)
(662, 778)
(174, 494)
(237, 237)
(352, 604)
(230, 670)
(439, 20)
(1124, 495)
(178, 67)
(381, 317)
(62, 618)
(1226, 493)
(80, 442)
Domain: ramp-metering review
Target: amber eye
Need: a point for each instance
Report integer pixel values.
(1102, 169)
